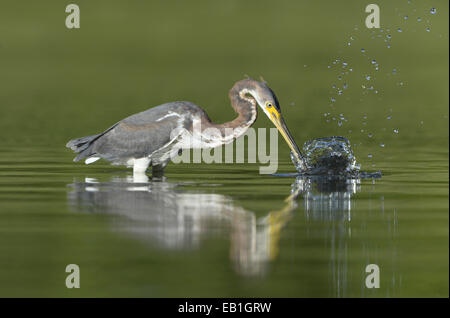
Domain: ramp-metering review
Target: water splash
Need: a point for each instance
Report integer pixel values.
(330, 156)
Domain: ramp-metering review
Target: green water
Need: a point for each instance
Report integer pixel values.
(223, 229)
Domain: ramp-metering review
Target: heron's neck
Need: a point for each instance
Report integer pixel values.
(245, 106)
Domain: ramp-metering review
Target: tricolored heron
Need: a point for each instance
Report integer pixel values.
(156, 135)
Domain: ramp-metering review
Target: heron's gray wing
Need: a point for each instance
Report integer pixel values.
(141, 134)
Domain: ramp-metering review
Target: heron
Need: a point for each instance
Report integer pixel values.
(157, 135)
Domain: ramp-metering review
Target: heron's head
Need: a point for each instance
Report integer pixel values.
(266, 99)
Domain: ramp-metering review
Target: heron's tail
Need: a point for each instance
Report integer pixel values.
(82, 146)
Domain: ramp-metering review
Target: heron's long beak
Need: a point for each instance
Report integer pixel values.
(279, 122)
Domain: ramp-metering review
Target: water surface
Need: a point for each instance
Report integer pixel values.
(224, 231)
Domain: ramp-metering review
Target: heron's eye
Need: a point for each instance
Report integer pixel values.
(268, 105)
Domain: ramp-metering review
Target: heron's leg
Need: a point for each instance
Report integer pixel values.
(158, 170)
(140, 178)
(140, 166)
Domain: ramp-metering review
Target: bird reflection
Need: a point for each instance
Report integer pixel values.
(168, 216)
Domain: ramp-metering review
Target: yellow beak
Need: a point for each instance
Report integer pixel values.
(279, 122)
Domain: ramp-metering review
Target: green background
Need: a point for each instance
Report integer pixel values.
(57, 84)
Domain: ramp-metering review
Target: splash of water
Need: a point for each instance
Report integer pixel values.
(330, 156)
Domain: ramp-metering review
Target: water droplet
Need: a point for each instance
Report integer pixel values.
(433, 10)
(389, 117)
(349, 44)
(333, 86)
(339, 77)
(388, 46)
(344, 64)
(388, 36)
(340, 92)
(405, 17)
(396, 131)
(419, 19)
(350, 69)
(428, 29)
(352, 38)
(374, 62)
(382, 145)
(394, 71)
(368, 77)
(329, 66)
(369, 155)
(345, 85)
(399, 30)
(370, 135)
(339, 123)
(363, 50)
(333, 99)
